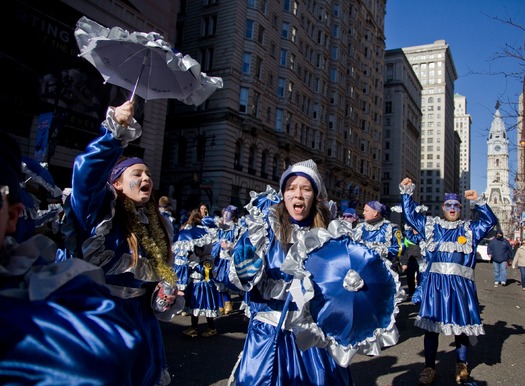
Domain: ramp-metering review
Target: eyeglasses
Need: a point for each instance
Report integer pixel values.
(4, 192)
(453, 206)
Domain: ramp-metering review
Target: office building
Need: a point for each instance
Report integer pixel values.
(435, 69)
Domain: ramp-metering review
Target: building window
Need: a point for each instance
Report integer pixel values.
(255, 106)
(251, 160)
(279, 120)
(237, 157)
(206, 59)
(261, 34)
(258, 68)
(208, 25)
(280, 87)
(275, 168)
(388, 107)
(243, 100)
(264, 164)
(246, 62)
(285, 30)
(250, 25)
(283, 57)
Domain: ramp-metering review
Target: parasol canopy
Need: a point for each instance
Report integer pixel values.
(143, 63)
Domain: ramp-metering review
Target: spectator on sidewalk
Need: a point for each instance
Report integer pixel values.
(500, 253)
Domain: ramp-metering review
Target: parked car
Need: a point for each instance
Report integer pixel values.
(481, 250)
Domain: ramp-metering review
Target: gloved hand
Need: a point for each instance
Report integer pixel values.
(246, 262)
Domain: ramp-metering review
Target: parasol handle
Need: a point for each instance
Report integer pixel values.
(283, 315)
(144, 63)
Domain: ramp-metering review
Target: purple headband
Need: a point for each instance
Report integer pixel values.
(231, 208)
(376, 205)
(452, 197)
(119, 168)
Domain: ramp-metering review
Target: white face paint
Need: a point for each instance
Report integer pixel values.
(451, 210)
(136, 183)
(298, 197)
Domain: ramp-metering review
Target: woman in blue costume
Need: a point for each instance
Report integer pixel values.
(448, 297)
(112, 201)
(228, 233)
(194, 249)
(272, 227)
(59, 324)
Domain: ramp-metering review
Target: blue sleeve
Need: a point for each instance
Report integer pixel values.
(77, 335)
(412, 217)
(487, 221)
(91, 172)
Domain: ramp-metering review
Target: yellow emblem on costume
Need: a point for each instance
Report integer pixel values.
(398, 234)
(208, 267)
(462, 239)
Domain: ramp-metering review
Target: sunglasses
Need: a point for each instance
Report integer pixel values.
(453, 206)
(4, 192)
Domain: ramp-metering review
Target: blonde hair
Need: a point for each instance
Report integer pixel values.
(165, 202)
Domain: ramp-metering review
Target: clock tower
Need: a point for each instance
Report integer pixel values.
(498, 190)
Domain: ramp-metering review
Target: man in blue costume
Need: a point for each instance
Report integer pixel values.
(448, 297)
(59, 325)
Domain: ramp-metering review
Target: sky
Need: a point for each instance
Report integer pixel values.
(476, 38)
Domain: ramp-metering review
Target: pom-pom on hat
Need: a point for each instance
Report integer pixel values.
(452, 197)
(308, 170)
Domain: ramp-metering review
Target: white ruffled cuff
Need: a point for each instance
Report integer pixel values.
(125, 134)
(407, 189)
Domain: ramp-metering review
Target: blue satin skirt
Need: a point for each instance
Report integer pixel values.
(265, 362)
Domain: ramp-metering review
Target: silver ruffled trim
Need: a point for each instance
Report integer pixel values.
(449, 329)
(52, 189)
(181, 248)
(307, 332)
(407, 189)
(125, 134)
(447, 246)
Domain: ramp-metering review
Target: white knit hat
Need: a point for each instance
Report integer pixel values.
(307, 169)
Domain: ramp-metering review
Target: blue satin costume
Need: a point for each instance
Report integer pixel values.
(384, 236)
(193, 250)
(447, 293)
(92, 202)
(262, 361)
(230, 232)
(59, 323)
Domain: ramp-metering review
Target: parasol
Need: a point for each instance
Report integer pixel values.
(143, 63)
(347, 293)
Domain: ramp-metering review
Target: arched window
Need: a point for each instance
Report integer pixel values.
(275, 168)
(237, 158)
(252, 159)
(264, 162)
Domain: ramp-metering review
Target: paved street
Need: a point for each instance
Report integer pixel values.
(497, 359)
